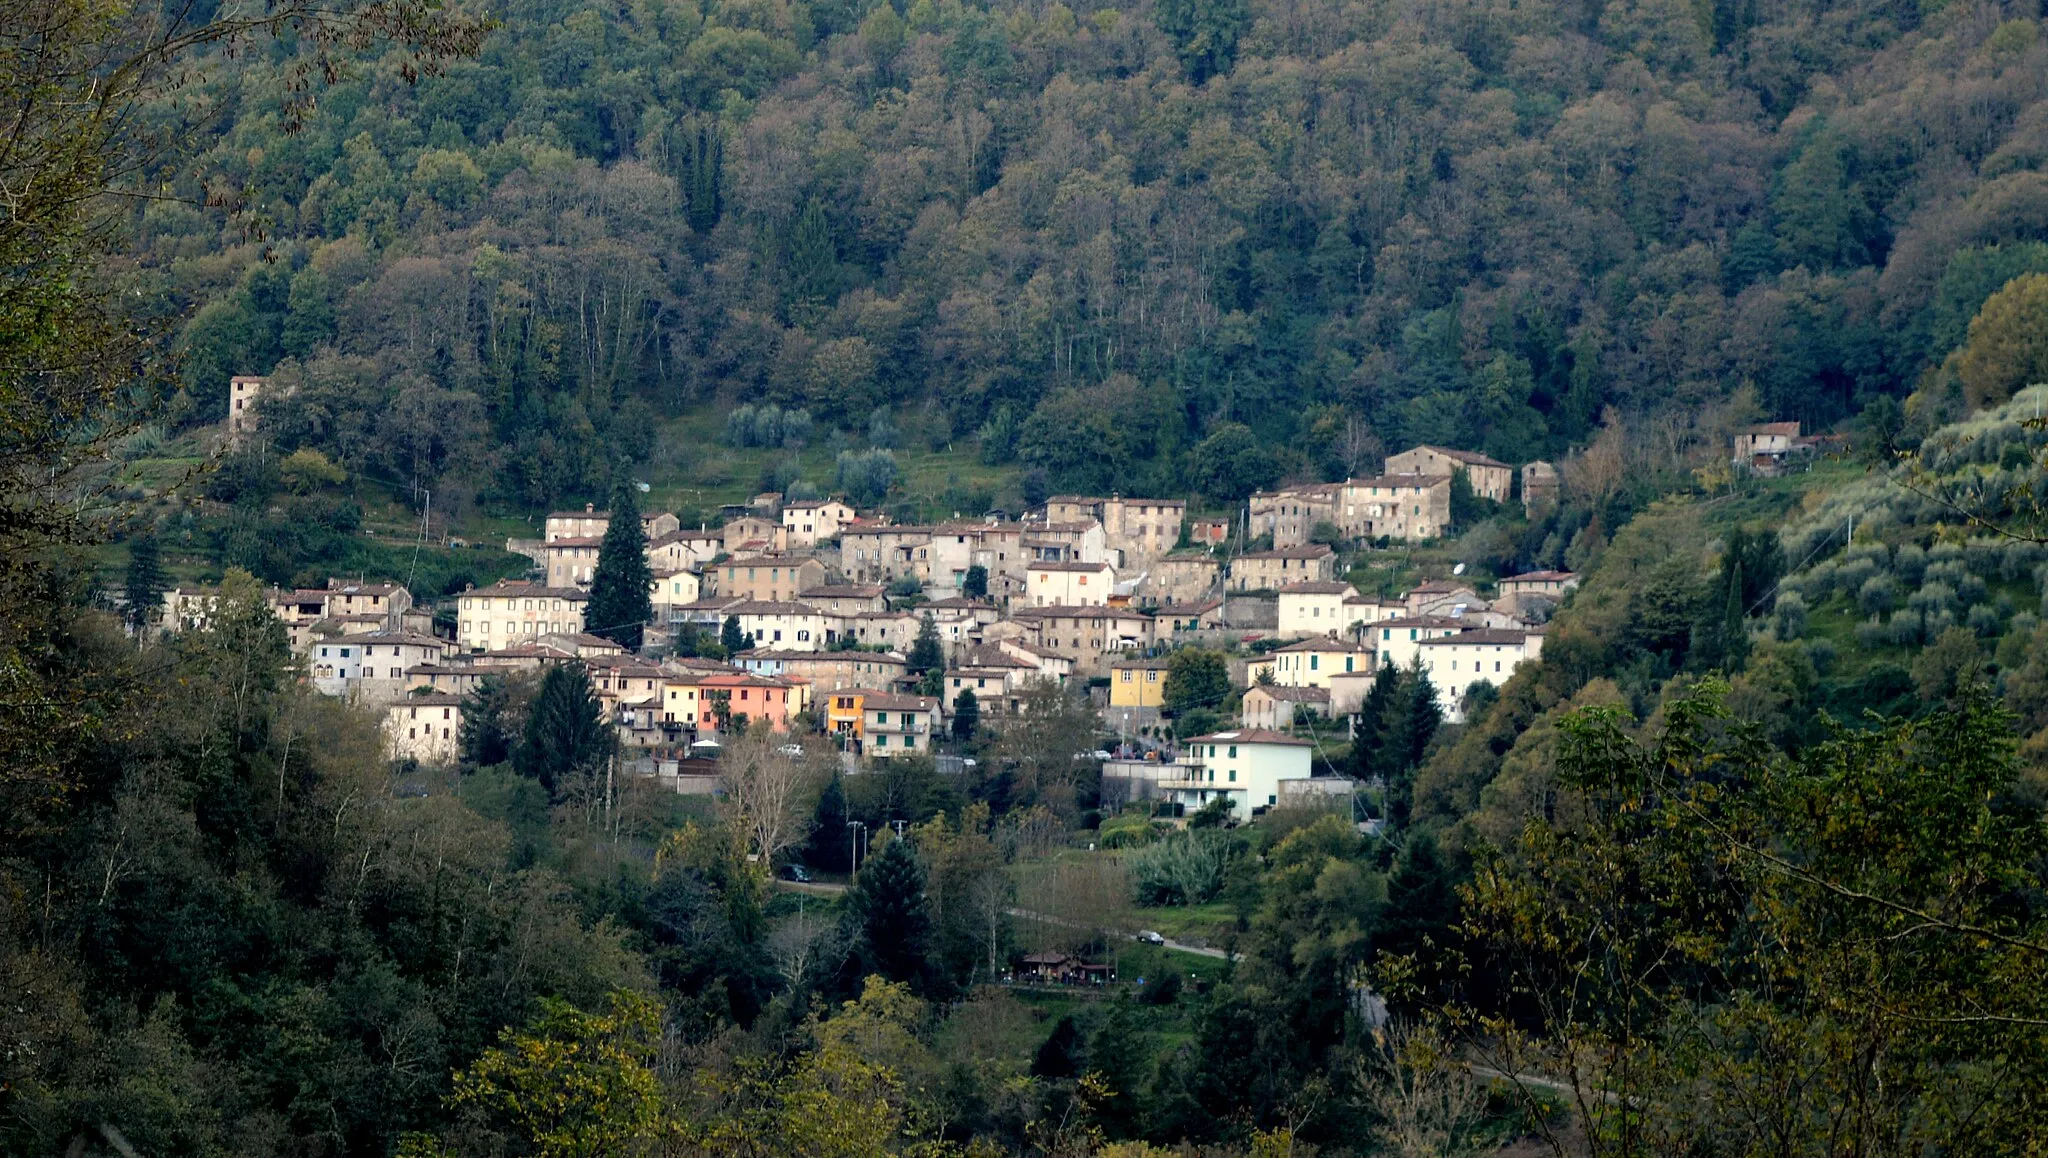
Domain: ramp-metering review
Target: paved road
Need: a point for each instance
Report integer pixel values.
(824, 889)
(1197, 950)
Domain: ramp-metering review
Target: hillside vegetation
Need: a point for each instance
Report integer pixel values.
(1105, 241)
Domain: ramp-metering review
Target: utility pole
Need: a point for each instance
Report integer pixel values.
(853, 831)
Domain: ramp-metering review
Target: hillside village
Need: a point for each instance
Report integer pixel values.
(833, 624)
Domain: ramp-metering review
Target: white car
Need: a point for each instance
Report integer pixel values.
(1150, 937)
(791, 750)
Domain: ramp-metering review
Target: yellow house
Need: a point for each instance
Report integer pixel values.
(1137, 684)
(844, 714)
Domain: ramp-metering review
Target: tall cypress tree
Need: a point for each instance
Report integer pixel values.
(566, 734)
(927, 657)
(146, 580)
(620, 601)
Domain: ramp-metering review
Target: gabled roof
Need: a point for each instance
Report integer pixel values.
(844, 591)
(1200, 608)
(1542, 577)
(1075, 611)
(1468, 457)
(771, 607)
(891, 702)
(429, 700)
(1504, 636)
(1090, 567)
(1439, 587)
(1311, 551)
(515, 589)
(1316, 587)
(574, 541)
(1787, 429)
(1395, 481)
(1252, 736)
(1328, 643)
(1298, 695)
(1417, 621)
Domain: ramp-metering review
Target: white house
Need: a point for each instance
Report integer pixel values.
(1070, 584)
(1397, 640)
(1248, 765)
(426, 728)
(898, 725)
(808, 523)
(782, 625)
(510, 613)
(371, 667)
(1311, 663)
(1487, 656)
(1315, 607)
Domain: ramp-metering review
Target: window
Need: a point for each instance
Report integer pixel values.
(1233, 776)
(881, 718)
(1233, 751)
(881, 741)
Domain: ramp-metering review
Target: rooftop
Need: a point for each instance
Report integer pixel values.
(1317, 587)
(1311, 551)
(1468, 457)
(1252, 736)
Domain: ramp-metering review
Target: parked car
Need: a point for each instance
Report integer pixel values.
(1150, 937)
(791, 750)
(797, 873)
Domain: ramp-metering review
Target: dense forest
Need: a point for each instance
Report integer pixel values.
(1092, 240)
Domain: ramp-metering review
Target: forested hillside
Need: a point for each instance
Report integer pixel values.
(1094, 238)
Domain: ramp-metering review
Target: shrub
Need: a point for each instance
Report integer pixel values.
(1186, 868)
(1877, 595)
(1873, 634)
(1983, 619)
(1970, 590)
(1791, 615)
(1852, 574)
(1822, 653)
(1933, 596)
(1910, 564)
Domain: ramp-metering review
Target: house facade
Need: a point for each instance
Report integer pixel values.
(426, 728)
(1485, 656)
(1490, 479)
(510, 612)
(1311, 663)
(895, 725)
(1403, 507)
(1272, 570)
(1247, 765)
(1070, 584)
(1315, 607)
(772, 578)
(808, 523)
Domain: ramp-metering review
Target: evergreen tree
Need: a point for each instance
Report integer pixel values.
(731, 638)
(620, 600)
(891, 915)
(486, 735)
(828, 848)
(1368, 747)
(565, 734)
(146, 580)
(1413, 719)
(1060, 1055)
(966, 715)
(1421, 900)
(974, 585)
(927, 655)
